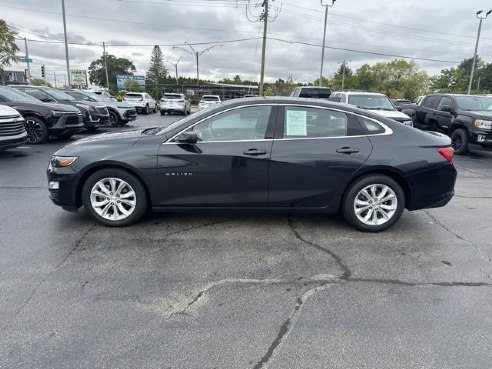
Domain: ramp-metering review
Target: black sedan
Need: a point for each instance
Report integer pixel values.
(290, 154)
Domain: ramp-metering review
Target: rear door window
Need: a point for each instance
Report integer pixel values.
(431, 101)
(303, 122)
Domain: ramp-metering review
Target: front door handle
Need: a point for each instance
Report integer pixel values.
(347, 150)
(255, 152)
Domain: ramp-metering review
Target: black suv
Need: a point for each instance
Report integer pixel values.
(467, 119)
(95, 115)
(312, 92)
(41, 119)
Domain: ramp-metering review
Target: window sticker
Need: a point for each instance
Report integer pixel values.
(296, 123)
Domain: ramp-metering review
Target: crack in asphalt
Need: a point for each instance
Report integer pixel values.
(288, 326)
(321, 279)
(38, 286)
(480, 252)
(473, 197)
(195, 227)
(346, 271)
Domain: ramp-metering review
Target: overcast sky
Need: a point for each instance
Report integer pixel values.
(437, 34)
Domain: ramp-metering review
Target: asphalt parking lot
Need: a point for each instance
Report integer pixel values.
(215, 290)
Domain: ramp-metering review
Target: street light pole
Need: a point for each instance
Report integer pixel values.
(476, 46)
(324, 39)
(105, 65)
(263, 48)
(197, 55)
(66, 41)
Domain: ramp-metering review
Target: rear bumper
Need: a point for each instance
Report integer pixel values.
(432, 188)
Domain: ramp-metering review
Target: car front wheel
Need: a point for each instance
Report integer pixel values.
(373, 203)
(114, 197)
(114, 119)
(459, 141)
(37, 132)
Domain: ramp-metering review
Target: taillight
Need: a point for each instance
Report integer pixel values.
(447, 153)
(181, 101)
(141, 99)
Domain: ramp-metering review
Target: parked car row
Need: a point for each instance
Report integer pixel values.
(51, 112)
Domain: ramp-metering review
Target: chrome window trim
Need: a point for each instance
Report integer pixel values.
(387, 130)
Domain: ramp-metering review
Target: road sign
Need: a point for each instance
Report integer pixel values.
(23, 59)
(78, 77)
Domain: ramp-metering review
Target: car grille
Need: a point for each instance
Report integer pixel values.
(72, 120)
(130, 113)
(10, 127)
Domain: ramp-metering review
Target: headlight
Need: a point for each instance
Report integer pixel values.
(408, 123)
(86, 107)
(62, 161)
(483, 124)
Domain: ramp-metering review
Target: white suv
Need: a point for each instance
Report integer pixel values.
(208, 100)
(377, 103)
(171, 103)
(142, 101)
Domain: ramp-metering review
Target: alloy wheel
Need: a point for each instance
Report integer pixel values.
(113, 199)
(375, 204)
(456, 142)
(34, 130)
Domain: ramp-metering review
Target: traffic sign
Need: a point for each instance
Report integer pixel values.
(23, 59)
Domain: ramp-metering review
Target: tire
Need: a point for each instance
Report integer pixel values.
(459, 141)
(163, 112)
(154, 110)
(147, 109)
(363, 209)
(114, 119)
(116, 183)
(37, 132)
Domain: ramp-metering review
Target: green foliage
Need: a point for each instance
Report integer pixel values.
(8, 48)
(40, 82)
(97, 73)
(397, 79)
(456, 80)
(132, 86)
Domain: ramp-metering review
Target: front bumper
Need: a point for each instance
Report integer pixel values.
(62, 187)
(9, 142)
(67, 123)
(127, 114)
(483, 138)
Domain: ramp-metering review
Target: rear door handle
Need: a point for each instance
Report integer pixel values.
(255, 152)
(347, 150)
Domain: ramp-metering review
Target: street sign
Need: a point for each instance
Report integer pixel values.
(23, 59)
(78, 77)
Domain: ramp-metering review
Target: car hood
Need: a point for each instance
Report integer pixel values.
(124, 138)
(478, 114)
(42, 106)
(7, 111)
(392, 114)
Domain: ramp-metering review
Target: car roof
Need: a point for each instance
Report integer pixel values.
(360, 93)
(314, 87)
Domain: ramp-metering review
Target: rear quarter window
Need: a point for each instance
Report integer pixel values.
(371, 126)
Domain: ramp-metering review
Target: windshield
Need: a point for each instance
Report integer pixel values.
(11, 94)
(59, 95)
(81, 96)
(210, 98)
(477, 103)
(374, 102)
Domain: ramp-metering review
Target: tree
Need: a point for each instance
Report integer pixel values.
(457, 79)
(156, 75)
(132, 86)
(40, 82)
(8, 48)
(97, 72)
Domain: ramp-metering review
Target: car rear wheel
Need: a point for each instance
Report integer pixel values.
(373, 203)
(114, 119)
(147, 109)
(459, 141)
(114, 197)
(37, 132)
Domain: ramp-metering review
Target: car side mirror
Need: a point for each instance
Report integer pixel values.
(447, 109)
(187, 137)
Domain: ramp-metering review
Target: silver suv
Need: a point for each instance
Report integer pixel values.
(377, 103)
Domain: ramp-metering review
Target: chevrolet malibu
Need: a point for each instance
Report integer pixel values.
(286, 154)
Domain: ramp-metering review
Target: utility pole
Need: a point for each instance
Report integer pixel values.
(27, 62)
(264, 17)
(344, 67)
(105, 65)
(324, 39)
(476, 46)
(66, 42)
